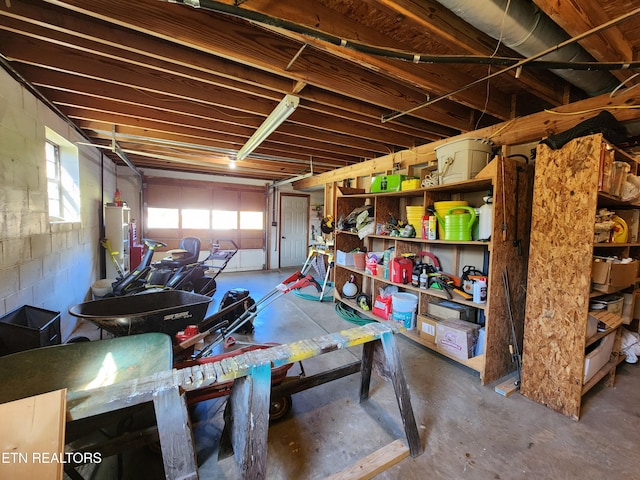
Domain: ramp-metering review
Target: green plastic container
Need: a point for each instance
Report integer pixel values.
(387, 183)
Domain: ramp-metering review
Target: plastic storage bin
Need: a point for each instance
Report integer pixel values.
(463, 159)
(28, 327)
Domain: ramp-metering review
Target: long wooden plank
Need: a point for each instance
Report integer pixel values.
(32, 437)
(112, 397)
(375, 463)
(513, 132)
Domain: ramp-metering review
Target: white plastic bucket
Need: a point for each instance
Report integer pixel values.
(403, 308)
(101, 288)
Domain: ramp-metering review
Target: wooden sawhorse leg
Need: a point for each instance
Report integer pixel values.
(176, 439)
(249, 403)
(394, 365)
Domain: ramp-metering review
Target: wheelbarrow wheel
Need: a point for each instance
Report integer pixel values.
(279, 407)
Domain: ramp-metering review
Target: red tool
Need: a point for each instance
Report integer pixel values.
(293, 282)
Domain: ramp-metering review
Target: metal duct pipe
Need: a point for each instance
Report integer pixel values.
(528, 31)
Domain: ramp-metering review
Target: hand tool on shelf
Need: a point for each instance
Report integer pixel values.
(446, 284)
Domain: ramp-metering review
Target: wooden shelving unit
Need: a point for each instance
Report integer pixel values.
(565, 202)
(508, 178)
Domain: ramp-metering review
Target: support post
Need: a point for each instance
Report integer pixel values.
(249, 401)
(174, 430)
(401, 388)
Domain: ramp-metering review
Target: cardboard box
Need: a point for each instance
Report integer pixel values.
(609, 275)
(411, 183)
(445, 310)
(387, 183)
(457, 338)
(607, 156)
(632, 218)
(627, 308)
(592, 326)
(344, 258)
(598, 358)
(427, 328)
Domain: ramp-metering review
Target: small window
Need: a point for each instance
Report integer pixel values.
(251, 220)
(163, 218)
(224, 219)
(63, 178)
(197, 219)
(54, 182)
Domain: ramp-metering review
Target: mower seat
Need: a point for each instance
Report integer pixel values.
(191, 245)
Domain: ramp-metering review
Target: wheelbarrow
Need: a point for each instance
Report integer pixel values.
(172, 311)
(166, 311)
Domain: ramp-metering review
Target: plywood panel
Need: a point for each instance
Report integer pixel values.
(564, 208)
(508, 252)
(32, 437)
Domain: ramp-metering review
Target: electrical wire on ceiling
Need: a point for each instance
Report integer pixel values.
(623, 84)
(518, 65)
(495, 52)
(392, 53)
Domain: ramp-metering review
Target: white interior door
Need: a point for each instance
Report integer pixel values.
(294, 217)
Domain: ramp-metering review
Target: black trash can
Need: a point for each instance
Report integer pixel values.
(28, 327)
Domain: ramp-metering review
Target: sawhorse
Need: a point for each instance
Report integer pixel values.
(314, 251)
(250, 396)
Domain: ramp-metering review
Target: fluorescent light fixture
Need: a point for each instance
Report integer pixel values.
(285, 108)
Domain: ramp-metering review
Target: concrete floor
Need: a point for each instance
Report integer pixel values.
(468, 431)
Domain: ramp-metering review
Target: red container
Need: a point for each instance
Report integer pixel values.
(401, 269)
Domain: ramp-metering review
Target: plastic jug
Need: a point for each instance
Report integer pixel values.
(401, 270)
(486, 219)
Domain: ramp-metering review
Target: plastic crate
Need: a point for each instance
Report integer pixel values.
(28, 327)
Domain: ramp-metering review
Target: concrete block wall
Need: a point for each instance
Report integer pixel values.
(46, 265)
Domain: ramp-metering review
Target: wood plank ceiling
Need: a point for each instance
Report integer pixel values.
(182, 88)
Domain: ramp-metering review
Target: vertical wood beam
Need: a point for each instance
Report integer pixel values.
(250, 399)
(402, 391)
(176, 439)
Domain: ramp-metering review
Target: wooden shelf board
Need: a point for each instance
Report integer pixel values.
(611, 244)
(472, 185)
(424, 240)
(594, 338)
(607, 200)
